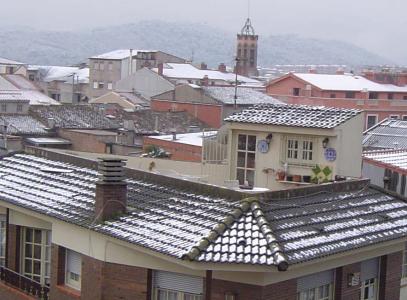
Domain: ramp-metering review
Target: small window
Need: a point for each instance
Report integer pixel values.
(96, 65)
(404, 97)
(19, 107)
(109, 86)
(332, 95)
(373, 95)
(369, 289)
(73, 269)
(394, 117)
(246, 159)
(404, 118)
(371, 120)
(350, 95)
(110, 66)
(319, 293)
(390, 96)
(31, 77)
(299, 150)
(296, 91)
(4, 107)
(102, 66)
(101, 85)
(95, 84)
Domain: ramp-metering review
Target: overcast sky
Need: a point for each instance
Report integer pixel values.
(377, 25)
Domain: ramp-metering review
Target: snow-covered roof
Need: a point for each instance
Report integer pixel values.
(22, 125)
(294, 115)
(13, 97)
(388, 134)
(347, 82)
(38, 141)
(6, 85)
(174, 220)
(245, 96)
(392, 158)
(35, 97)
(5, 61)
(20, 82)
(74, 117)
(61, 73)
(119, 54)
(188, 71)
(193, 138)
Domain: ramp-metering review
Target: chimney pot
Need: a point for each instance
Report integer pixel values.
(222, 68)
(111, 189)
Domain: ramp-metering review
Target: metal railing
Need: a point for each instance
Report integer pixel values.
(23, 283)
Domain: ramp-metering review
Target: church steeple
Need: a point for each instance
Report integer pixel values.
(246, 54)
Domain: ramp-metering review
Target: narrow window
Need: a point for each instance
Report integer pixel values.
(296, 91)
(371, 121)
(246, 159)
(2, 239)
(73, 269)
(19, 107)
(349, 94)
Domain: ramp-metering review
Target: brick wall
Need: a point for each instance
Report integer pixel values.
(285, 290)
(242, 291)
(209, 114)
(390, 276)
(82, 141)
(342, 289)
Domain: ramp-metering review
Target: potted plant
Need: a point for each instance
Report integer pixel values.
(297, 178)
(280, 175)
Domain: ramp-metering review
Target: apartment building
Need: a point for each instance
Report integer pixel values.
(380, 99)
(73, 232)
(108, 68)
(283, 146)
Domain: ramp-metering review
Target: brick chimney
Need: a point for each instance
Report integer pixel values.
(222, 68)
(204, 66)
(160, 67)
(205, 81)
(111, 189)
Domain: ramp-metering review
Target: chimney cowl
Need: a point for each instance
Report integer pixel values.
(111, 189)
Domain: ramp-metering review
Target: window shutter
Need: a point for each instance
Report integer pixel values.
(315, 280)
(73, 262)
(178, 282)
(369, 269)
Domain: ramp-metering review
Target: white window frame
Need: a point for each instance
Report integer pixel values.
(101, 65)
(300, 154)
(394, 117)
(369, 283)
(110, 66)
(305, 295)
(246, 152)
(404, 117)
(371, 115)
(110, 85)
(95, 84)
(45, 255)
(3, 232)
(179, 295)
(72, 279)
(230, 296)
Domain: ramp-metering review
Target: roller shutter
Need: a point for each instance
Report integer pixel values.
(315, 280)
(178, 282)
(369, 269)
(73, 262)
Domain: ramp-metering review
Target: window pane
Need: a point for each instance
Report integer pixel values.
(29, 235)
(241, 159)
(250, 177)
(240, 175)
(28, 250)
(37, 252)
(251, 157)
(37, 267)
(37, 236)
(28, 266)
(241, 142)
(251, 144)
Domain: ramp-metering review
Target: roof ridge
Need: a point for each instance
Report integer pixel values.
(219, 229)
(277, 252)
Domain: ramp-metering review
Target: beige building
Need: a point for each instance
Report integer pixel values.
(108, 68)
(283, 146)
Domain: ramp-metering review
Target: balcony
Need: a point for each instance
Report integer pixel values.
(24, 284)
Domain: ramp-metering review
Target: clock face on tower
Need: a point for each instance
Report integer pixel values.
(263, 146)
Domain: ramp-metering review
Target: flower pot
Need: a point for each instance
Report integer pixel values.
(280, 176)
(297, 178)
(289, 178)
(306, 178)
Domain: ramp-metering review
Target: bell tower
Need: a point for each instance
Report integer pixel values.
(246, 55)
